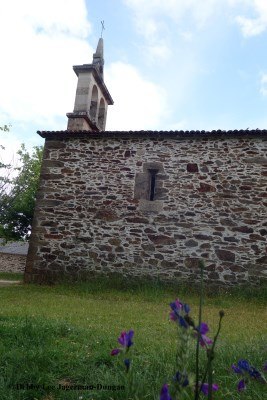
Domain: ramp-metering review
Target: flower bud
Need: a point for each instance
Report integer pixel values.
(127, 364)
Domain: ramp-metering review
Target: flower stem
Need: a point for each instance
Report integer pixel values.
(201, 265)
(210, 376)
(210, 354)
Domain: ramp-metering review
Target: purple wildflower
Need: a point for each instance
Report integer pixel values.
(236, 369)
(241, 385)
(179, 312)
(205, 388)
(186, 308)
(127, 364)
(204, 340)
(246, 370)
(125, 340)
(182, 379)
(265, 366)
(254, 373)
(244, 365)
(114, 352)
(176, 305)
(164, 393)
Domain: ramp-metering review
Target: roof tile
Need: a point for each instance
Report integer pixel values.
(150, 133)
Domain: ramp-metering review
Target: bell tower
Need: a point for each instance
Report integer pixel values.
(92, 96)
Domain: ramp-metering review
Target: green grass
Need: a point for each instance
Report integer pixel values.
(64, 334)
(10, 276)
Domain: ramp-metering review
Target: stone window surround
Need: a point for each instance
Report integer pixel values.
(143, 187)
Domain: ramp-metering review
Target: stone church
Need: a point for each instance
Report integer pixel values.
(147, 204)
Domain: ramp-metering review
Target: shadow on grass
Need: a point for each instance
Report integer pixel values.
(156, 290)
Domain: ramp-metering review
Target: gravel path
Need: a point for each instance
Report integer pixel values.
(4, 282)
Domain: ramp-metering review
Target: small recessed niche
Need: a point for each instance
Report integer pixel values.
(149, 184)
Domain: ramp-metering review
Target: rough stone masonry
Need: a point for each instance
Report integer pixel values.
(151, 204)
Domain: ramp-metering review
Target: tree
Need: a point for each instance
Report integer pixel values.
(18, 197)
(5, 168)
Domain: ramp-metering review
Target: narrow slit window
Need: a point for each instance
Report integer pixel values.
(152, 183)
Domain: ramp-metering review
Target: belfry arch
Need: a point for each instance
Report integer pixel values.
(101, 114)
(94, 103)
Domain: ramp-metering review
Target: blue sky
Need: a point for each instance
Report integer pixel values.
(172, 64)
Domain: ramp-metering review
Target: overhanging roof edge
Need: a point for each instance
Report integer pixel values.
(159, 134)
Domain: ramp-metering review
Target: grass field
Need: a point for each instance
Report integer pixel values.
(63, 335)
(11, 276)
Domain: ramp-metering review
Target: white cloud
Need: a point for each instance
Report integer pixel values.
(252, 26)
(263, 84)
(43, 40)
(11, 145)
(150, 22)
(187, 36)
(138, 103)
(159, 21)
(51, 17)
(159, 51)
(201, 11)
(150, 16)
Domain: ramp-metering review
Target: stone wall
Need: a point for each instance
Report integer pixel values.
(12, 262)
(94, 214)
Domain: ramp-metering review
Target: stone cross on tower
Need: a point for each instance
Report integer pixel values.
(92, 96)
